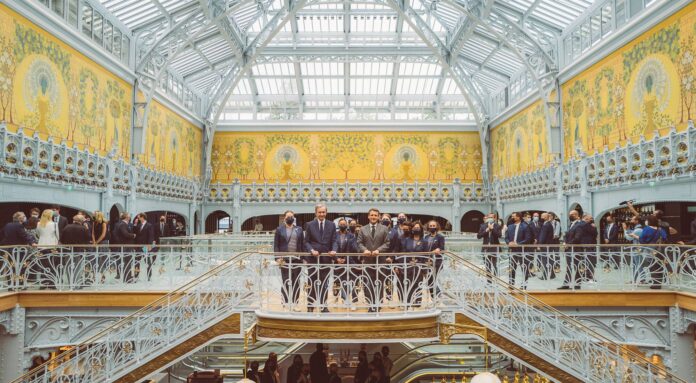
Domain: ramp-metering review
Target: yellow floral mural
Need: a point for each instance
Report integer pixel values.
(520, 143)
(49, 88)
(376, 156)
(173, 144)
(644, 88)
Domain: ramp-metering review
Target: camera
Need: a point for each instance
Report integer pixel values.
(627, 202)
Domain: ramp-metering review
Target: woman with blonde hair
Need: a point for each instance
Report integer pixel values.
(100, 229)
(47, 230)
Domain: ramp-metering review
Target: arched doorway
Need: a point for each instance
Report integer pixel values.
(218, 222)
(471, 221)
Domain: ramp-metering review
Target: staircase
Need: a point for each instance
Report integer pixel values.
(209, 307)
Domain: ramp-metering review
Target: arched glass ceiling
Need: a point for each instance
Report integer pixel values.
(338, 60)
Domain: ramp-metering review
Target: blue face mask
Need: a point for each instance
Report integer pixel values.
(536, 219)
(490, 220)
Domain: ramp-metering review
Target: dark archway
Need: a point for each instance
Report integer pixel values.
(271, 222)
(471, 221)
(218, 222)
(9, 208)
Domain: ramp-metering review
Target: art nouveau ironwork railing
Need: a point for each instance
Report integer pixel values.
(242, 282)
(105, 268)
(32, 158)
(541, 329)
(660, 158)
(598, 268)
(333, 192)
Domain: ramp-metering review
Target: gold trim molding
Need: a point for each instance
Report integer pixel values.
(378, 329)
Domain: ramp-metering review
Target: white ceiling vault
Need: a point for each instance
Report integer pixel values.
(345, 60)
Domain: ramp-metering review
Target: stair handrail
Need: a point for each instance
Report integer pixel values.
(502, 288)
(172, 297)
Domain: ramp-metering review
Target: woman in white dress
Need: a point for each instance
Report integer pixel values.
(47, 231)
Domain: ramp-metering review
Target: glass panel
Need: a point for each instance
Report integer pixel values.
(576, 43)
(585, 35)
(87, 20)
(620, 13)
(108, 35)
(125, 54)
(606, 19)
(97, 34)
(117, 43)
(72, 13)
(58, 7)
(595, 24)
(635, 7)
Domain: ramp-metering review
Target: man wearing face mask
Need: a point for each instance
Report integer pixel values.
(519, 234)
(396, 234)
(535, 224)
(319, 239)
(490, 233)
(345, 275)
(373, 239)
(573, 255)
(289, 238)
(436, 245)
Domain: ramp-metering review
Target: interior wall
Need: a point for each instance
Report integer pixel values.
(642, 89)
(342, 156)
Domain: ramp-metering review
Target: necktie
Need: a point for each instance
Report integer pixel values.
(373, 230)
(321, 229)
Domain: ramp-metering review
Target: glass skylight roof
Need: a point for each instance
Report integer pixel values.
(344, 59)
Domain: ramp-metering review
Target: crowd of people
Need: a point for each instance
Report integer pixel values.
(48, 229)
(532, 241)
(318, 370)
(325, 244)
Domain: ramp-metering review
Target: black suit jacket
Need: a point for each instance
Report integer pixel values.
(536, 229)
(546, 234)
(323, 244)
(145, 234)
(122, 235)
(62, 223)
(14, 233)
(159, 233)
(280, 241)
(613, 236)
(489, 238)
(317, 367)
(75, 234)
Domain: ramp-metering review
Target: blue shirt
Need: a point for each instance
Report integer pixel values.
(637, 230)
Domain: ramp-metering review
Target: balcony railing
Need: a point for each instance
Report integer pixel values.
(31, 158)
(242, 282)
(670, 157)
(398, 192)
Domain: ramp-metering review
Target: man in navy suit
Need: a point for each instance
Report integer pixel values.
(545, 253)
(574, 253)
(318, 242)
(145, 235)
(14, 232)
(289, 238)
(610, 236)
(517, 235)
(346, 276)
(490, 233)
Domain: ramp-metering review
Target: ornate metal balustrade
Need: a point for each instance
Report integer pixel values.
(30, 158)
(537, 327)
(669, 157)
(111, 268)
(251, 281)
(435, 192)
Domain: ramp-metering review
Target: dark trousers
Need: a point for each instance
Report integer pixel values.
(414, 288)
(150, 258)
(576, 260)
(318, 279)
(547, 258)
(373, 283)
(490, 261)
(290, 275)
(518, 257)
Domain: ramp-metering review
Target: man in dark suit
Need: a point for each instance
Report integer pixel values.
(14, 233)
(545, 253)
(519, 234)
(589, 237)
(162, 230)
(610, 236)
(490, 233)
(317, 365)
(145, 235)
(76, 233)
(396, 233)
(61, 221)
(318, 242)
(289, 239)
(574, 254)
(121, 237)
(373, 239)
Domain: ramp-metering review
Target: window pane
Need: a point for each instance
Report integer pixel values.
(125, 54)
(87, 20)
(72, 13)
(97, 35)
(636, 7)
(620, 13)
(606, 19)
(107, 35)
(117, 43)
(58, 7)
